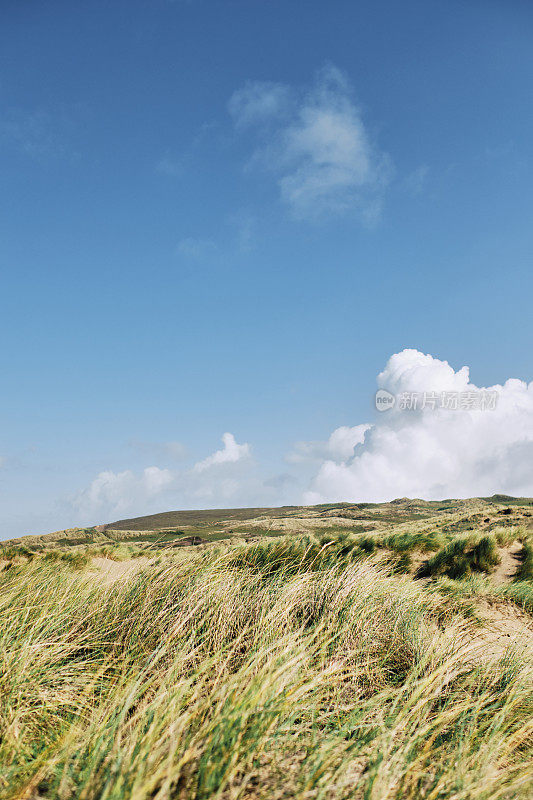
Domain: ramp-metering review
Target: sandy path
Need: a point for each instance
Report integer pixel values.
(510, 561)
(504, 627)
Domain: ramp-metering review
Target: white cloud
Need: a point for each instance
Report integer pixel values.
(125, 494)
(339, 447)
(118, 492)
(436, 453)
(320, 148)
(230, 453)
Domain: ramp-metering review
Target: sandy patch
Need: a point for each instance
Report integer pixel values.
(112, 571)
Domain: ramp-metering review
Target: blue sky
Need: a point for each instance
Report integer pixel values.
(226, 217)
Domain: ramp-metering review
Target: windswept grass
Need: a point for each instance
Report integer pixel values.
(408, 541)
(461, 557)
(118, 552)
(525, 570)
(11, 552)
(261, 672)
(477, 586)
(290, 556)
(71, 558)
(506, 536)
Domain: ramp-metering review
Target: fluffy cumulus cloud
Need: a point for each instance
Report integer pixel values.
(119, 492)
(317, 144)
(436, 452)
(216, 480)
(229, 454)
(339, 447)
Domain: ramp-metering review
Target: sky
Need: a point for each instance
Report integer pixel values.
(225, 225)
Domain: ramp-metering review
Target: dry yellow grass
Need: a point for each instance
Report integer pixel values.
(222, 676)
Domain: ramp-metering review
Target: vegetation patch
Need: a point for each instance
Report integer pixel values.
(461, 557)
(267, 671)
(525, 570)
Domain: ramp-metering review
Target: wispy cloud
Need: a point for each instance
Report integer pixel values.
(317, 145)
(175, 162)
(171, 165)
(259, 102)
(280, 481)
(238, 237)
(174, 450)
(40, 134)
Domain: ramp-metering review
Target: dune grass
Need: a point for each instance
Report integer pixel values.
(117, 552)
(525, 570)
(520, 593)
(15, 551)
(407, 541)
(461, 557)
(258, 672)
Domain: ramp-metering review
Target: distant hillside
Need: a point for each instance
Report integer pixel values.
(179, 519)
(398, 510)
(174, 528)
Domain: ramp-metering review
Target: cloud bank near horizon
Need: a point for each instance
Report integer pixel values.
(125, 492)
(436, 452)
(430, 452)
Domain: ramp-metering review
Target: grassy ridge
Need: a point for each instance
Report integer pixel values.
(399, 517)
(170, 519)
(266, 671)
